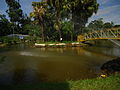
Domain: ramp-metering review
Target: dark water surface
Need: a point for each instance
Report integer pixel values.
(30, 65)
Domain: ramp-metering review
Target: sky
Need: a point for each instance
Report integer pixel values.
(109, 10)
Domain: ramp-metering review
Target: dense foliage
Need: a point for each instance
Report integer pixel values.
(52, 20)
(98, 25)
(5, 26)
(15, 13)
(66, 18)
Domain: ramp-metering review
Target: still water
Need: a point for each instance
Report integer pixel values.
(24, 64)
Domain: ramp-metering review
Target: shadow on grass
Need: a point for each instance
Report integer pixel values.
(40, 86)
(109, 83)
(19, 82)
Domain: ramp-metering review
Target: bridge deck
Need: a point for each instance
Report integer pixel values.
(113, 33)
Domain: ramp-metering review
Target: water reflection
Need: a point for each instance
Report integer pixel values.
(114, 52)
(50, 64)
(32, 54)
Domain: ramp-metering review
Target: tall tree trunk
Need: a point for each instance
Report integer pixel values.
(79, 22)
(42, 28)
(58, 23)
(60, 36)
(71, 36)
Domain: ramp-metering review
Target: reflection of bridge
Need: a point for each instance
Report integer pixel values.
(113, 33)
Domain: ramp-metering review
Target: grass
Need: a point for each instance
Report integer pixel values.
(52, 42)
(109, 83)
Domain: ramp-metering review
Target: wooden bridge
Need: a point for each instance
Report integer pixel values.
(113, 33)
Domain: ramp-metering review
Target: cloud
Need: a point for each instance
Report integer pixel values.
(110, 9)
(103, 1)
(2, 12)
(113, 17)
(108, 14)
(106, 2)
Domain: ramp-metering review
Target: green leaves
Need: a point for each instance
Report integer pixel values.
(39, 14)
(5, 26)
(14, 11)
(91, 8)
(99, 24)
(54, 12)
(32, 14)
(39, 9)
(56, 26)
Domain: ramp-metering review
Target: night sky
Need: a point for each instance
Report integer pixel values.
(109, 10)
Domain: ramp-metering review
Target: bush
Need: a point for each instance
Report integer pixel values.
(9, 40)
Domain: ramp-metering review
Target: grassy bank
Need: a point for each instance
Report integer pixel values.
(109, 83)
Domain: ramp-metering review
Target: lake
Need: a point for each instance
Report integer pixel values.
(24, 64)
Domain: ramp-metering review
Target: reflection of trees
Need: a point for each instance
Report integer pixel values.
(60, 50)
(18, 76)
(81, 51)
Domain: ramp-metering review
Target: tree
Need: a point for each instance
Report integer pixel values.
(116, 26)
(15, 13)
(96, 24)
(32, 29)
(24, 22)
(38, 15)
(99, 25)
(57, 5)
(77, 10)
(5, 26)
(108, 25)
(67, 30)
(81, 11)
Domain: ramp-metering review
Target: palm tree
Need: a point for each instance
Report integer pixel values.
(38, 14)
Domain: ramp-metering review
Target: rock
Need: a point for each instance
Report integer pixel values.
(111, 67)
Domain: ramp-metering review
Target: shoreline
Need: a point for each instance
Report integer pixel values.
(74, 44)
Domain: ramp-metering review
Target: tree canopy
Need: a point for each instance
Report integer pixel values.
(98, 25)
(52, 19)
(15, 12)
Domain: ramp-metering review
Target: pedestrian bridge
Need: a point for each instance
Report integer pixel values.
(113, 33)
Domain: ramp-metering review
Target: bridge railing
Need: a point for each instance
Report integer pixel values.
(113, 33)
